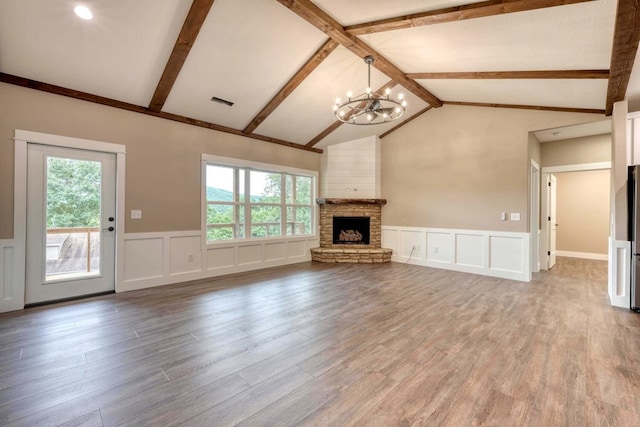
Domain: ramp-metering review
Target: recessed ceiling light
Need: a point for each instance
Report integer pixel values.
(83, 12)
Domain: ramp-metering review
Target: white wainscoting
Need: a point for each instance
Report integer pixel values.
(11, 277)
(155, 259)
(490, 253)
(619, 273)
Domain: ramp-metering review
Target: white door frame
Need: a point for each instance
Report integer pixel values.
(22, 138)
(534, 216)
(559, 169)
(544, 223)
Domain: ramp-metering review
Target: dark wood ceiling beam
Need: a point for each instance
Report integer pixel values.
(459, 13)
(96, 99)
(313, 63)
(626, 37)
(187, 37)
(526, 107)
(551, 74)
(322, 135)
(415, 116)
(335, 125)
(325, 23)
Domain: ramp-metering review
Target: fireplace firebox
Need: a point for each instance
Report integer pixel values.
(351, 230)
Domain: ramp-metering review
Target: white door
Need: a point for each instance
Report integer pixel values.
(71, 206)
(552, 218)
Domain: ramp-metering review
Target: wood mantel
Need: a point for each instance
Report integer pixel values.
(351, 201)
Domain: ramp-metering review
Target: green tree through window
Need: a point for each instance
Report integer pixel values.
(279, 204)
(73, 193)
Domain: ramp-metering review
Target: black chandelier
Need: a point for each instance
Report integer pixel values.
(370, 108)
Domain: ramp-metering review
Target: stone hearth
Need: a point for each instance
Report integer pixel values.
(351, 252)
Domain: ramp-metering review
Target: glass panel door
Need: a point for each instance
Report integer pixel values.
(70, 223)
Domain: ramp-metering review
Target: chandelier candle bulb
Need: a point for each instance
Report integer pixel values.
(370, 108)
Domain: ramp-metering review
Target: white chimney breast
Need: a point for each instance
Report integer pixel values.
(351, 170)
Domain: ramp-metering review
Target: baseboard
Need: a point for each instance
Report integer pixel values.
(583, 255)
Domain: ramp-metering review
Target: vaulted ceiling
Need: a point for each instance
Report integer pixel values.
(282, 63)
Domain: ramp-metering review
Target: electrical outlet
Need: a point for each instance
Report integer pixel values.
(136, 214)
(416, 248)
(436, 249)
(515, 216)
(189, 257)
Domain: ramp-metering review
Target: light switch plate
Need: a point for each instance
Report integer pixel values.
(515, 216)
(136, 214)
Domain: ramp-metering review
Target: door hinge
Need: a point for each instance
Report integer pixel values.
(549, 253)
(548, 218)
(549, 184)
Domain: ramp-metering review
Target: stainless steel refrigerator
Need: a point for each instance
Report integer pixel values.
(634, 234)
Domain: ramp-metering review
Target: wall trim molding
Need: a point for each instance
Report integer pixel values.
(68, 142)
(488, 253)
(162, 258)
(10, 277)
(619, 271)
(577, 167)
(583, 255)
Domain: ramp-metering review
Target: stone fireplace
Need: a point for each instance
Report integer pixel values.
(351, 231)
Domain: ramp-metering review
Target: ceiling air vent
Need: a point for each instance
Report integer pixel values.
(222, 101)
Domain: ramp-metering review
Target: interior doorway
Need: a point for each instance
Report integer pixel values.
(558, 151)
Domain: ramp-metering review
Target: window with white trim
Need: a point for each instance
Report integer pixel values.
(279, 202)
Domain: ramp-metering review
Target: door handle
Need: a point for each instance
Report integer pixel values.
(108, 229)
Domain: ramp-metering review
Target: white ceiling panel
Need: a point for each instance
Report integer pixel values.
(577, 36)
(358, 11)
(244, 53)
(119, 54)
(576, 93)
(574, 131)
(247, 50)
(341, 72)
(349, 132)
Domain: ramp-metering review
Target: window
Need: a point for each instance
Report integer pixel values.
(280, 202)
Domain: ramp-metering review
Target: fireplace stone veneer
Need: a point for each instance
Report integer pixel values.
(351, 253)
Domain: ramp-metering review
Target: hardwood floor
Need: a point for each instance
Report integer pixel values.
(320, 344)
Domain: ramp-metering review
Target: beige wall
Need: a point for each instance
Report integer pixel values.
(459, 167)
(163, 157)
(619, 172)
(583, 211)
(588, 149)
(535, 149)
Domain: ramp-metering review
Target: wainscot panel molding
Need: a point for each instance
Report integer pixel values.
(489, 253)
(619, 273)
(162, 258)
(11, 277)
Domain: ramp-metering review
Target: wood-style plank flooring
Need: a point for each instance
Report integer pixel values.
(330, 345)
